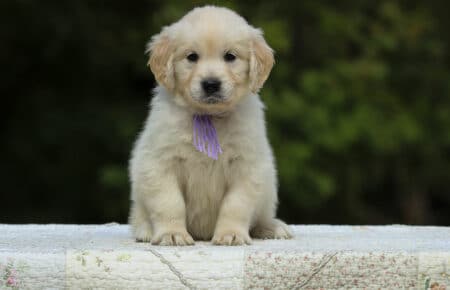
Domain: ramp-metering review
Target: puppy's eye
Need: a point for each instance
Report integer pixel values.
(229, 57)
(192, 57)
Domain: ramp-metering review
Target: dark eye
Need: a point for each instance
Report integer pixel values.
(192, 57)
(229, 57)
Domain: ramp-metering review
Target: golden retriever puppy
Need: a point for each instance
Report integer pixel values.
(202, 168)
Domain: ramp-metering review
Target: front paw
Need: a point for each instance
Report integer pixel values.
(231, 238)
(173, 238)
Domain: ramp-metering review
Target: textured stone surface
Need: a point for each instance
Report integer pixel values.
(328, 257)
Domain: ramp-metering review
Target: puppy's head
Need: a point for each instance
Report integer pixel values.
(210, 59)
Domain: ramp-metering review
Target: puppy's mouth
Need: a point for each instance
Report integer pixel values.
(212, 99)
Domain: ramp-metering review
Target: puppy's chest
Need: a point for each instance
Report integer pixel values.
(220, 133)
(200, 174)
(203, 184)
(203, 180)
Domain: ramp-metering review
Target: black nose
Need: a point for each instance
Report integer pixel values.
(211, 85)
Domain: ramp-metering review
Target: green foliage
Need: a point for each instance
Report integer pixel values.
(358, 106)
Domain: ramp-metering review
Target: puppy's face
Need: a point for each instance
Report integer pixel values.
(210, 59)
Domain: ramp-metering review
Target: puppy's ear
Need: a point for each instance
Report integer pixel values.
(160, 49)
(261, 61)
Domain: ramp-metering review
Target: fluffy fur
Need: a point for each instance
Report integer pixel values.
(178, 193)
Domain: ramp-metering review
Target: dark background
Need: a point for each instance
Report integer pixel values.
(358, 107)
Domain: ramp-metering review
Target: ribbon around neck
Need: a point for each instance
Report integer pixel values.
(205, 136)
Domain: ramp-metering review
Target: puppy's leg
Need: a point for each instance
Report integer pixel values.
(164, 203)
(140, 224)
(266, 226)
(235, 216)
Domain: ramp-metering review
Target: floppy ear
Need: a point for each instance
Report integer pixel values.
(160, 61)
(261, 61)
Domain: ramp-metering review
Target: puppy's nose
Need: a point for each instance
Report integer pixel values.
(211, 85)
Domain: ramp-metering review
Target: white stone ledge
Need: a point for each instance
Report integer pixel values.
(330, 257)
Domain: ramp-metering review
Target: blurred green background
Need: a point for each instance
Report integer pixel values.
(358, 106)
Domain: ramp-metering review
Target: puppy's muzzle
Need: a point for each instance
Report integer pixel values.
(211, 89)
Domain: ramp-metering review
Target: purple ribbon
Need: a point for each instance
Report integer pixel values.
(205, 136)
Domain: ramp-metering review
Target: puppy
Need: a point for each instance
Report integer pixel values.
(202, 168)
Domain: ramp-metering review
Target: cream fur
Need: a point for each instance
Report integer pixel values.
(179, 193)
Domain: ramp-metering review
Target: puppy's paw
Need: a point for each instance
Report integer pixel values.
(231, 238)
(276, 229)
(143, 237)
(142, 233)
(173, 238)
